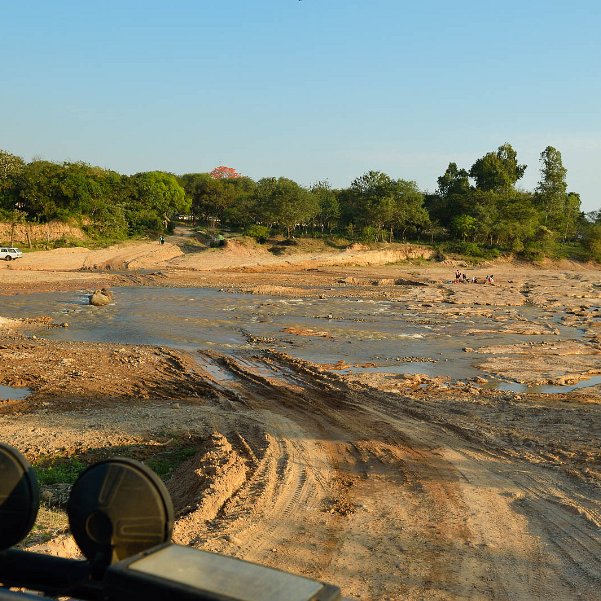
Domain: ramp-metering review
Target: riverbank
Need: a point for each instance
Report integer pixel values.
(392, 486)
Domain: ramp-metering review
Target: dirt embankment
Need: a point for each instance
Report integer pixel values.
(26, 234)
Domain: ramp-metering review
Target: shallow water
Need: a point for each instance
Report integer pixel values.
(359, 331)
(14, 393)
(549, 388)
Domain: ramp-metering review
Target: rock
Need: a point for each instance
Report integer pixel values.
(101, 297)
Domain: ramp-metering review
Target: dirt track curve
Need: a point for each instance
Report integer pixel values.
(343, 483)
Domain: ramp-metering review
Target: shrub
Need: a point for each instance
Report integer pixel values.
(371, 234)
(259, 232)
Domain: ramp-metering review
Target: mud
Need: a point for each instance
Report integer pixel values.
(420, 482)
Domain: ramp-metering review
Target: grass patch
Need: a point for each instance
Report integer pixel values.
(162, 459)
(59, 470)
(164, 464)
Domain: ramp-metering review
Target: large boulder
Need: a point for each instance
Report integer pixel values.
(101, 297)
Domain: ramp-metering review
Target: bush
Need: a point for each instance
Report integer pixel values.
(469, 249)
(371, 234)
(259, 232)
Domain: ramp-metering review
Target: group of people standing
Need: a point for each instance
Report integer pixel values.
(462, 278)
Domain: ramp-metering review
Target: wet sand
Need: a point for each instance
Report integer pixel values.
(393, 486)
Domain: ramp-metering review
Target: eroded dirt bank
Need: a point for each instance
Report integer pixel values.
(391, 487)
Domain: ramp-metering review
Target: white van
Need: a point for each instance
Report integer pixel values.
(8, 254)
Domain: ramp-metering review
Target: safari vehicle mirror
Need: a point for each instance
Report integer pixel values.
(118, 508)
(19, 497)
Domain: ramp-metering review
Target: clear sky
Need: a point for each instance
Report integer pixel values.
(309, 89)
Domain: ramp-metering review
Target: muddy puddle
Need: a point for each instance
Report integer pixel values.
(367, 335)
(13, 393)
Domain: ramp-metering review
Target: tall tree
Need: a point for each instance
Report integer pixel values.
(560, 210)
(329, 207)
(453, 196)
(497, 170)
(39, 189)
(10, 167)
(453, 181)
(374, 203)
(384, 203)
(409, 210)
(155, 197)
(242, 211)
(285, 203)
(574, 218)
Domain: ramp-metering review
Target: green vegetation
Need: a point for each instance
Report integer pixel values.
(478, 211)
(53, 470)
(58, 470)
(166, 462)
(259, 232)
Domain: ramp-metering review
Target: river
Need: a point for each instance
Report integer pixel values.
(387, 335)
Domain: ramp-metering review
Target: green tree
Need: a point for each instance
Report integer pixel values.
(464, 226)
(219, 197)
(374, 204)
(518, 222)
(486, 208)
(39, 190)
(454, 181)
(329, 207)
(283, 202)
(452, 197)
(206, 194)
(497, 170)
(560, 210)
(383, 203)
(592, 240)
(10, 167)
(244, 209)
(409, 211)
(155, 197)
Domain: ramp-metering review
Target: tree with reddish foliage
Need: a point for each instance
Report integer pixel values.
(223, 172)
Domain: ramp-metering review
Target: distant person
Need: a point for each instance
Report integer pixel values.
(162, 240)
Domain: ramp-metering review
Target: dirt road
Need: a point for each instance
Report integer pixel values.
(413, 491)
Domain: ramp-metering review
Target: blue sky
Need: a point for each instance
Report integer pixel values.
(311, 89)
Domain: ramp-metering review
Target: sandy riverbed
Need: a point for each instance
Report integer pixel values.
(392, 487)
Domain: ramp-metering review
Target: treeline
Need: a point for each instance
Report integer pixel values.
(106, 204)
(479, 211)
